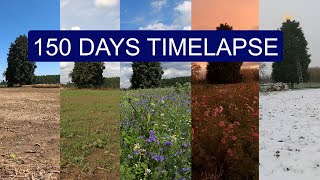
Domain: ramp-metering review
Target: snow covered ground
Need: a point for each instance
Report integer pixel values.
(290, 135)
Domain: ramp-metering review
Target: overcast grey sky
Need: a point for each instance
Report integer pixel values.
(274, 12)
(89, 15)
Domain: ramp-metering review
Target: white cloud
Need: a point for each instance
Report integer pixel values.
(184, 7)
(158, 4)
(184, 13)
(158, 26)
(65, 69)
(64, 3)
(181, 19)
(105, 3)
(125, 74)
(187, 28)
(112, 69)
(75, 28)
(172, 72)
(85, 14)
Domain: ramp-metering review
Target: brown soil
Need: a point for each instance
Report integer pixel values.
(29, 133)
(95, 172)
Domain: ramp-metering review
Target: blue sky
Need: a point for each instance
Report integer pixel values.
(155, 15)
(18, 17)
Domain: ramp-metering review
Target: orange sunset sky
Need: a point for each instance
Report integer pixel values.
(240, 14)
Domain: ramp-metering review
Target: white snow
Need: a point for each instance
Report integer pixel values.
(290, 124)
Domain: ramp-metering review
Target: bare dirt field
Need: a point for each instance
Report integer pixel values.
(29, 133)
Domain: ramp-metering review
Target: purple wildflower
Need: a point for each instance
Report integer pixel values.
(185, 169)
(130, 157)
(168, 143)
(185, 145)
(159, 158)
(149, 153)
(152, 137)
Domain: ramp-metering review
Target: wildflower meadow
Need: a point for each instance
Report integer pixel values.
(225, 134)
(156, 133)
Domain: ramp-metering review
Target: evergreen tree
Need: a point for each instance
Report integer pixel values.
(295, 49)
(146, 75)
(223, 72)
(20, 70)
(87, 74)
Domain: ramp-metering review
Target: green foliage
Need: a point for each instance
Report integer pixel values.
(111, 82)
(223, 73)
(155, 134)
(172, 81)
(47, 79)
(185, 88)
(87, 74)
(3, 83)
(146, 75)
(108, 83)
(295, 49)
(20, 70)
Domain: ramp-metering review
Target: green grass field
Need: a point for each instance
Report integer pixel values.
(90, 133)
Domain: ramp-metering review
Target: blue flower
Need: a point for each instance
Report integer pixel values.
(176, 154)
(152, 138)
(136, 152)
(185, 145)
(168, 143)
(185, 169)
(159, 158)
(130, 157)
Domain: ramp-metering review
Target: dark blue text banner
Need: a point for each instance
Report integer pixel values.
(165, 46)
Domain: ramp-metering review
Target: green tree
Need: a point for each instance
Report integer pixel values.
(146, 75)
(295, 49)
(87, 74)
(223, 72)
(20, 70)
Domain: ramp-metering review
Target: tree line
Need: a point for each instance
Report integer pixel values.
(108, 83)
(295, 54)
(149, 74)
(47, 79)
(169, 82)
